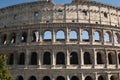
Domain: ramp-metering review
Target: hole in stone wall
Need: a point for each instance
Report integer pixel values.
(36, 13)
(60, 12)
(84, 13)
(105, 15)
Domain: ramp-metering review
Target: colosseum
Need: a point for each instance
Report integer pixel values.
(72, 41)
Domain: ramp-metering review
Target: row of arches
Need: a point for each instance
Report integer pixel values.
(61, 57)
(61, 35)
(100, 77)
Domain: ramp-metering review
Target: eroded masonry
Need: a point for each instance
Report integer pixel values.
(75, 41)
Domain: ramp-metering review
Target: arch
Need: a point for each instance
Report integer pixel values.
(88, 78)
(99, 58)
(47, 35)
(97, 36)
(87, 58)
(73, 58)
(60, 58)
(60, 35)
(113, 78)
(107, 37)
(21, 59)
(13, 38)
(4, 39)
(11, 59)
(35, 36)
(60, 78)
(47, 58)
(74, 78)
(85, 35)
(32, 78)
(116, 38)
(119, 58)
(20, 78)
(24, 37)
(73, 35)
(46, 78)
(111, 58)
(101, 78)
(33, 60)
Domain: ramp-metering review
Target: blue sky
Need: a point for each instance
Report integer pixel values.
(5, 3)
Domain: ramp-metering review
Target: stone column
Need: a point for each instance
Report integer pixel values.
(29, 36)
(27, 57)
(82, 57)
(112, 38)
(91, 36)
(67, 35)
(39, 59)
(8, 39)
(109, 16)
(100, 14)
(95, 58)
(18, 37)
(80, 36)
(53, 59)
(53, 36)
(41, 36)
(15, 59)
(118, 19)
(68, 78)
(117, 60)
(106, 58)
(68, 58)
(103, 37)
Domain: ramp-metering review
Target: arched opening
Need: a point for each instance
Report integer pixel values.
(21, 59)
(12, 38)
(111, 58)
(73, 58)
(60, 58)
(119, 58)
(116, 38)
(107, 37)
(19, 78)
(35, 36)
(33, 60)
(99, 58)
(60, 78)
(46, 78)
(47, 36)
(11, 59)
(97, 36)
(85, 36)
(74, 78)
(47, 58)
(32, 78)
(87, 58)
(73, 35)
(4, 39)
(113, 78)
(24, 37)
(60, 35)
(88, 78)
(101, 78)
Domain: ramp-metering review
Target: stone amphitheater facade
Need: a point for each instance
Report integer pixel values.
(75, 41)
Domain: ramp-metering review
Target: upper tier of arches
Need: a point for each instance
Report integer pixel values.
(67, 34)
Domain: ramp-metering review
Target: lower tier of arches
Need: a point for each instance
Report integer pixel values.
(71, 74)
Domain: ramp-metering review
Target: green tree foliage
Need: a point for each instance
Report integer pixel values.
(4, 72)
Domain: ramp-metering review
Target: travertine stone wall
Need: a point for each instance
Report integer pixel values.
(42, 12)
(37, 39)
